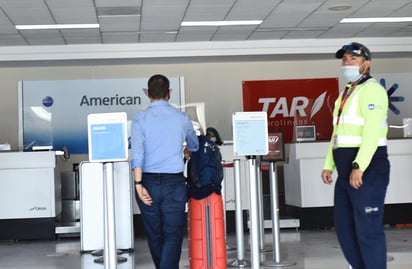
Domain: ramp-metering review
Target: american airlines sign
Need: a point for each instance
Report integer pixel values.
(291, 103)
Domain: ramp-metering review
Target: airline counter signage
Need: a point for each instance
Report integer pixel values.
(54, 112)
(292, 103)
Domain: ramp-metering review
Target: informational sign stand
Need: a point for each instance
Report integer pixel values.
(276, 153)
(250, 138)
(108, 143)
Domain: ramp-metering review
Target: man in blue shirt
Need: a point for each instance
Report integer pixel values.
(158, 135)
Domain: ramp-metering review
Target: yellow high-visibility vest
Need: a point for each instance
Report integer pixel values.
(362, 123)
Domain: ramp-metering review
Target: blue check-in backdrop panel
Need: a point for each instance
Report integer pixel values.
(54, 113)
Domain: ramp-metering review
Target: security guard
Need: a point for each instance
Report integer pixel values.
(358, 152)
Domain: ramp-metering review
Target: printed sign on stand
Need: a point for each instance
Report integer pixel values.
(250, 133)
(107, 137)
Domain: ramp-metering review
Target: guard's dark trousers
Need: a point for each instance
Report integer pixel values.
(359, 213)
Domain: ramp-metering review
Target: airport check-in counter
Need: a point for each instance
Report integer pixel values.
(305, 190)
(30, 194)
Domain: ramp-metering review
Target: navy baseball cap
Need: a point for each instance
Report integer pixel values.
(355, 49)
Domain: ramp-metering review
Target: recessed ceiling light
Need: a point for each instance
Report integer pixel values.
(56, 26)
(340, 7)
(118, 11)
(381, 19)
(220, 23)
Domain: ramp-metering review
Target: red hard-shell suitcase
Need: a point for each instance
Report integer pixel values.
(207, 245)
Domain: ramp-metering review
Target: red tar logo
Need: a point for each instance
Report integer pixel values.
(291, 103)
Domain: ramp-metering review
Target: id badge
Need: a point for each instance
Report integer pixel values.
(335, 142)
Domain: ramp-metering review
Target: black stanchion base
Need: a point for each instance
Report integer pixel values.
(100, 252)
(277, 264)
(120, 259)
(239, 263)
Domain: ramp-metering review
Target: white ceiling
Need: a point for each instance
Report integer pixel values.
(158, 21)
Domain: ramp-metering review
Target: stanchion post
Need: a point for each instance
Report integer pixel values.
(275, 221)
(240, 261)
(110, 257)
(254, 214)
(228, 247)
(260, 207)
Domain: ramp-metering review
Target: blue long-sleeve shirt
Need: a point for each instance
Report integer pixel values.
(158, 136)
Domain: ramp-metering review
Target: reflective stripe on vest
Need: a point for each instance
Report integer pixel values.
(351, 117)
(356, 140)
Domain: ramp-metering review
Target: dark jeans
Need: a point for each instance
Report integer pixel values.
(164, 221)
(359, 215)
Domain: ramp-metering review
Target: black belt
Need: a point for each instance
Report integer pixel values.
(163, 174)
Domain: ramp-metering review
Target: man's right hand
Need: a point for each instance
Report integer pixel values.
(327, 176)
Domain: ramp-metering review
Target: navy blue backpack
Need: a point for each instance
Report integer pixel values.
(205, 170)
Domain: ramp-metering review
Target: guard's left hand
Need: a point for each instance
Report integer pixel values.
(355, 179)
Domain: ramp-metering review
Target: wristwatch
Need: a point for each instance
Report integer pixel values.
(355, 165)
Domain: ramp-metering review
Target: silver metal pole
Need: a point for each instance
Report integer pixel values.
(240, 261)
(275, 221)
(254, 215)
(260, 207)
(110, 258)
(223, 191)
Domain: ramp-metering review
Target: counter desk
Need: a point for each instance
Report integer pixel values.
(30, 194)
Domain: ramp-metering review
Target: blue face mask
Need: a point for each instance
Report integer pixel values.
(351, 72)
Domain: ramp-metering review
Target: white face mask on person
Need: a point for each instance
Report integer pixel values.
(350, 72)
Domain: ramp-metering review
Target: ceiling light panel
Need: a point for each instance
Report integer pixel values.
(118, 11)
(46, 27)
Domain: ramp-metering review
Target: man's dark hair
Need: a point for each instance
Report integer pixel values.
(158, 87)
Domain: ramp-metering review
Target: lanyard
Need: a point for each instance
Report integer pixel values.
(348, 91)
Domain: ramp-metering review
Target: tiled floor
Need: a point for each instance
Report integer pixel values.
(308, 249)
